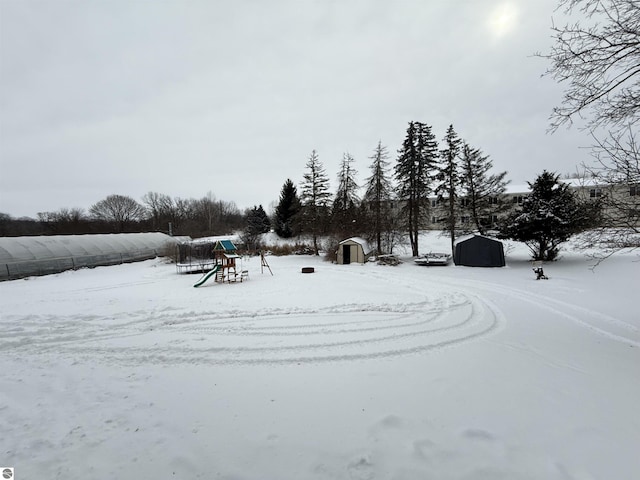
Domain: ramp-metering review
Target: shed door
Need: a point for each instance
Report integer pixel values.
(346, 254)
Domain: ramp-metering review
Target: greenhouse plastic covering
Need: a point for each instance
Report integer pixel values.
(27, 256)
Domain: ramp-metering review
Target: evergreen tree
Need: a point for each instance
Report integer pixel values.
(287, 211)
(264, 221)
(378, 195)
(449, 180)
(345, 203)
(483, 193)
(549, 216)
(414, 167)
(315, 198)
(257, 222)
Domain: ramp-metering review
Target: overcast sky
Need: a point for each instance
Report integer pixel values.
(184, 97)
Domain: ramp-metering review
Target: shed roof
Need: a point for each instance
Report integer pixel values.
(466, 238)
(360, 241)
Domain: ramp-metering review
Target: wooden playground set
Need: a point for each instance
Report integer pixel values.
(217, 260)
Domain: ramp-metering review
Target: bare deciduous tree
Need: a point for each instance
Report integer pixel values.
(599, 62)
(616, 174)
(64, 221)
(119, 210)
(482, 191)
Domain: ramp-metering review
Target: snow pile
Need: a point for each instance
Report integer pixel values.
(352, 372)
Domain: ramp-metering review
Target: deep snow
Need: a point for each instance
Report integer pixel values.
(352, 372)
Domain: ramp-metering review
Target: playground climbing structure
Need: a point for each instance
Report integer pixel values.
(217, 260)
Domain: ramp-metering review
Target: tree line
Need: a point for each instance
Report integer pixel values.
(394, 203)
(597, 62)
(123, 214)
(450, 185)
(397, 199)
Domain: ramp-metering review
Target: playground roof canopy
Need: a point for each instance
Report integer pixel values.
(226, 245)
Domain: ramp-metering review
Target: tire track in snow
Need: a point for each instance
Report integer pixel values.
(336, 333)
(441, 317)
(478, 321)
(598, 322)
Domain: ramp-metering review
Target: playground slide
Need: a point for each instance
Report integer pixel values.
(207, 276)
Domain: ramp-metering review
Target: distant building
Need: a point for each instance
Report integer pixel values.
(622, 207)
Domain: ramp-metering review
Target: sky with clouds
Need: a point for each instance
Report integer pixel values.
(185, 97)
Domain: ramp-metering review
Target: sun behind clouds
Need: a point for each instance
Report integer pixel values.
(502, 20)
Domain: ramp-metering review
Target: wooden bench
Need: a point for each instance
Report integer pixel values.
(235, 276)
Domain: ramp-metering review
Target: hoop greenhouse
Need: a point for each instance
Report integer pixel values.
(27, 256)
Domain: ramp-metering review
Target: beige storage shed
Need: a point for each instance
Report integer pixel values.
(353, 250)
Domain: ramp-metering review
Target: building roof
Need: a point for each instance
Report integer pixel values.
(466, 238)
(360, 241)
(572, 182)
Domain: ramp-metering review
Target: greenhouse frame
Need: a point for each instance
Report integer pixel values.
(43, 255)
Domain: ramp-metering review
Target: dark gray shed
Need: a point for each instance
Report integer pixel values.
(479, 251)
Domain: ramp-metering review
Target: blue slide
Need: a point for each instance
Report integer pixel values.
(207, 276)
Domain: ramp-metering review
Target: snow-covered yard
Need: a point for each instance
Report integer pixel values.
(352, 372)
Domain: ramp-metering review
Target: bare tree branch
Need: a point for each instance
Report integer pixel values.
(599, 63)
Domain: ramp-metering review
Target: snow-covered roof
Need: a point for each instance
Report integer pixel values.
(519, 188)
(360, 241)
(217, 238)
(464, 238)
(582, 182)
(572, 182)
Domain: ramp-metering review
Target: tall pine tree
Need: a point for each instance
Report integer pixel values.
(345, 203)
(414, 167)
(315, 197)
(378, 195)
(449, 180)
